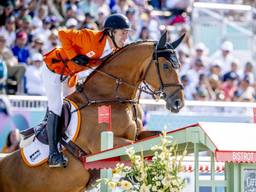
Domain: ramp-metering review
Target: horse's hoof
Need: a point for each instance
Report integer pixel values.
(147, 134)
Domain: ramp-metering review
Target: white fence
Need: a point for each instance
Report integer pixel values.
(156, 114)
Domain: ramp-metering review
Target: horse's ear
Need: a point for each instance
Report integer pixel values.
(176, 43)
(162, 41)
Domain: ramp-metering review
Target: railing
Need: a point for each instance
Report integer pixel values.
(193, 111)
(21, 101)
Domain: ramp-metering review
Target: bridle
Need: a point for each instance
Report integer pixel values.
(169, 54)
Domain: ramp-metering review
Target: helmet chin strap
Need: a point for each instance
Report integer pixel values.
(113, 39)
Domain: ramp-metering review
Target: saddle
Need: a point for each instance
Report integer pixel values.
(40, 131)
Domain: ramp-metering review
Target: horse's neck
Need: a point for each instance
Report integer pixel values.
(127, 66)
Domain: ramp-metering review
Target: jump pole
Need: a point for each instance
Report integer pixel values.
(104, 116)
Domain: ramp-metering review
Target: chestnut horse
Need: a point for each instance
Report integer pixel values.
(115, 82)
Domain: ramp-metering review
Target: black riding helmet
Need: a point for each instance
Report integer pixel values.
(117, 21)
(113, 22)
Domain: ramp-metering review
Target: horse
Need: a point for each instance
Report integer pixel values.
(115, 82)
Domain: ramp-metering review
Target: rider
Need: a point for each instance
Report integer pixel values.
(80, 48)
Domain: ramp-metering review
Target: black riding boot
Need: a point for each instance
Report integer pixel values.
(56, 159)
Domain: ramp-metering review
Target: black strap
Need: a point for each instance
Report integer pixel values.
(74, 149)
(62, 77)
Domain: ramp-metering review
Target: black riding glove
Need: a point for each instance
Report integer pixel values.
(81, 60)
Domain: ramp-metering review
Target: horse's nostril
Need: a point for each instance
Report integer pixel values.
(177, 103)
(163, 95)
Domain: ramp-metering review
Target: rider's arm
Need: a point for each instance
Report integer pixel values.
(71, 39)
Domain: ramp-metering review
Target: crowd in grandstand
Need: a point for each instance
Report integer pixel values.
(29, 29)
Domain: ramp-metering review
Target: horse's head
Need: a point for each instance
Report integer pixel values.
(162, 74)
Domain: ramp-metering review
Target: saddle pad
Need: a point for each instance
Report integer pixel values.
(36, 153)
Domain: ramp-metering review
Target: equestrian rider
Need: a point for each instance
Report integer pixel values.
(80, 48)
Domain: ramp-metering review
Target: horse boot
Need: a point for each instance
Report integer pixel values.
(56, 159)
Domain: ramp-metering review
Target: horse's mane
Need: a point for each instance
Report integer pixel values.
(113, 55)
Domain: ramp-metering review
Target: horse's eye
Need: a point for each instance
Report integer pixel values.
(166, 66)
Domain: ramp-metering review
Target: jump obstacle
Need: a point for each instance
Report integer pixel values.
(230, 143)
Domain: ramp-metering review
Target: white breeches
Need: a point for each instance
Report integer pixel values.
(55, 90)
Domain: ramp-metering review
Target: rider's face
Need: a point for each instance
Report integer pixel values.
(121, 36)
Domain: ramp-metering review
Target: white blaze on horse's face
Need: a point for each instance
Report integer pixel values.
(121, 37)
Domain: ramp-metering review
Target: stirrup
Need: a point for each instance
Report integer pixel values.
(56, 160)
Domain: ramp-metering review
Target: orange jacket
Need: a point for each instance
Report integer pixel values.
(74, 42)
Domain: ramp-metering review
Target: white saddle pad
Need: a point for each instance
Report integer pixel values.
(36, 153)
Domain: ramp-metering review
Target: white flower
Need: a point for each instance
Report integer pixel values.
(130, 151)
(154, 188)
(144, 188)
(166, 181)
(126, 185)
(112, 185)
(160, 177)
(161, 156)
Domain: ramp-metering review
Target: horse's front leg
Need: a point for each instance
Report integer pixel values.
(128, 138)
(120, 141)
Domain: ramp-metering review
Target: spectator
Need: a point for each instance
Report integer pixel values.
(152, 22)
(234, 69)
(144, 34)
(26, 25)
(200, 53)
(183, 55)
(178, 7)
(224, 56)
(34, 84)
(7, 12)
(3, 77)
(45, 29)
(197, 68)
(131, 15)
(202, 89)
(15, 71)
(12, 142)
(53, 41)
(215, 70)
(89, 22)
(245, 91)
(8, 30)
(38, 18)
(248, 72)
(187, 87)
(101, 19)
(19, 49)
(215, 87)
(230, 86)
(120, 7)
(37, 44)
(71, 11)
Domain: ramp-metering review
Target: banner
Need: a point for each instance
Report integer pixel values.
(104, 115)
